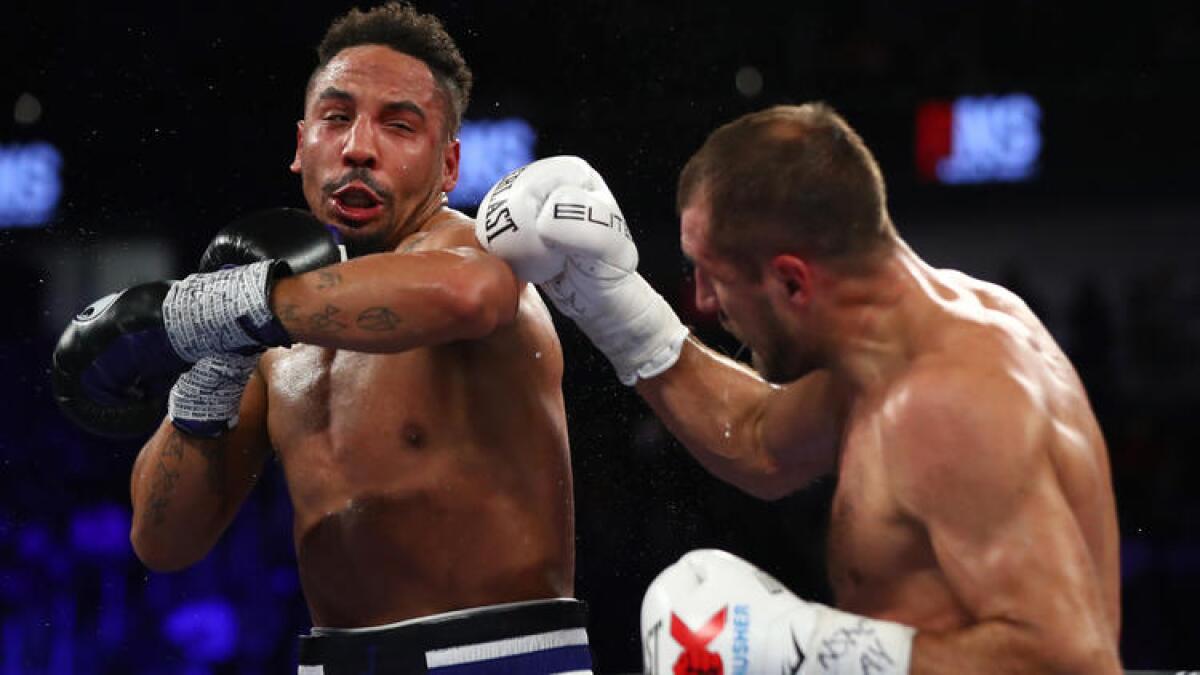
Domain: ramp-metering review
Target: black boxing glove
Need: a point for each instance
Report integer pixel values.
(205, 400)
(116, 362)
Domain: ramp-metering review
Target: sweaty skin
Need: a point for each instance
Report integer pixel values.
(419, 418)
(430, 479)
(974, 497)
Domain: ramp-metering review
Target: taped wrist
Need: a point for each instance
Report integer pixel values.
(205, 400)
(627, 320)
(226, 311)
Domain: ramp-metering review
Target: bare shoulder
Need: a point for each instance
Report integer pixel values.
(990, 296)
(961, 424)
(447, 229)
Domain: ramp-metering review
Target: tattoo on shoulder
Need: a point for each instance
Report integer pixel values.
(377, 319)
(328, 279)
(325, 321)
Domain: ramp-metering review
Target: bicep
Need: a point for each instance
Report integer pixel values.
(800, 424)
(982, 485)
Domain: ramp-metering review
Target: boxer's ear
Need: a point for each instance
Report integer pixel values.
(794, 276)
(295, 166)
(450, 165)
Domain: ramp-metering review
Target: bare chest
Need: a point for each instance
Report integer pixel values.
(312, 390)
(881, 562)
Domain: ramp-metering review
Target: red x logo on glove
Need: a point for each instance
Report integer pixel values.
(696, 659)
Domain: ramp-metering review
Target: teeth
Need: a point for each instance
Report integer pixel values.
(357, 199)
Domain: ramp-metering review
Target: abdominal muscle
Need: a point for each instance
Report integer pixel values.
(421, 482)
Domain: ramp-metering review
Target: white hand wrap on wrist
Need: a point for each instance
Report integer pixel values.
(210, 313)
(627, 320)
(211, 392)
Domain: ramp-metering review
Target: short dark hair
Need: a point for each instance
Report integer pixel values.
(401, 27)
(789, 178)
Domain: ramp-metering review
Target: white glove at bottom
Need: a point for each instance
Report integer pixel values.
(713, 612)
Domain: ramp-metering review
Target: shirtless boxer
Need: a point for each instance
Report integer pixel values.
(418, 417)
(973, 527)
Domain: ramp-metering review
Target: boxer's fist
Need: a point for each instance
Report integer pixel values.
(557, 224)
(507, 221)
(206, 399)
(114, 364)
(714, 609)
(289, 235)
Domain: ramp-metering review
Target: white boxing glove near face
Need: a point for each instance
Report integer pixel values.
(713, 612)
(557, 224)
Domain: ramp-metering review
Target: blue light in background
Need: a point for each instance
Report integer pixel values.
(30, 185)
(205, 630)
(993, 139)
(101, 531)
(490, 149)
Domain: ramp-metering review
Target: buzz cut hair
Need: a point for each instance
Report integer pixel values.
(789, 179)
(399, 26)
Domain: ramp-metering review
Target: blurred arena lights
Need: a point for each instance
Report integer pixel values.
(749, 81)
(979, 139)
(30, 184)
(205, 630)
(490, 149)
(27, 110)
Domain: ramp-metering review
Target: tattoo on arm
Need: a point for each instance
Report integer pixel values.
(216, 460)
(328, 279)
(166, 475)
(378, 320)
(288, 314)
(324, 321)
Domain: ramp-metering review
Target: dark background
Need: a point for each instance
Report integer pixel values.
(174, 118)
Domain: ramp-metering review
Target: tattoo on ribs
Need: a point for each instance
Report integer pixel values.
(324, 321)
(377, 319)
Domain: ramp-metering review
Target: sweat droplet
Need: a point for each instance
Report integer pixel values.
(537, 355)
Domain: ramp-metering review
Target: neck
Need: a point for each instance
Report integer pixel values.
(878, 318)
(421, 219)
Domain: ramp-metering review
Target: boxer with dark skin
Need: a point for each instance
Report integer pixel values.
(419, 417)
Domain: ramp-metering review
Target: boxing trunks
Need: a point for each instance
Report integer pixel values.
(538, 637)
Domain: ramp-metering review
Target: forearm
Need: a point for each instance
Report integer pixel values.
(713, 405)
(185, 491)
(389, 303)
(994, 647)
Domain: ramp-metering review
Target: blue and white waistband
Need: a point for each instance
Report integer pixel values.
(543, 637)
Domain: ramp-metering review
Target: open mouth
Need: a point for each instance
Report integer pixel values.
(356, 203)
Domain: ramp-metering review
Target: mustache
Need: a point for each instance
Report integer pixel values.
(361, 175)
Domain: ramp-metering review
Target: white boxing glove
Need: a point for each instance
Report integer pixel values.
(558, 225)
(713, 612)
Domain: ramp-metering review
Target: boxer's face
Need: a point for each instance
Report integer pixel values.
(756, 312)
(372, 150)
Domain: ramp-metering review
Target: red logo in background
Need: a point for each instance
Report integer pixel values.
(696, 659)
